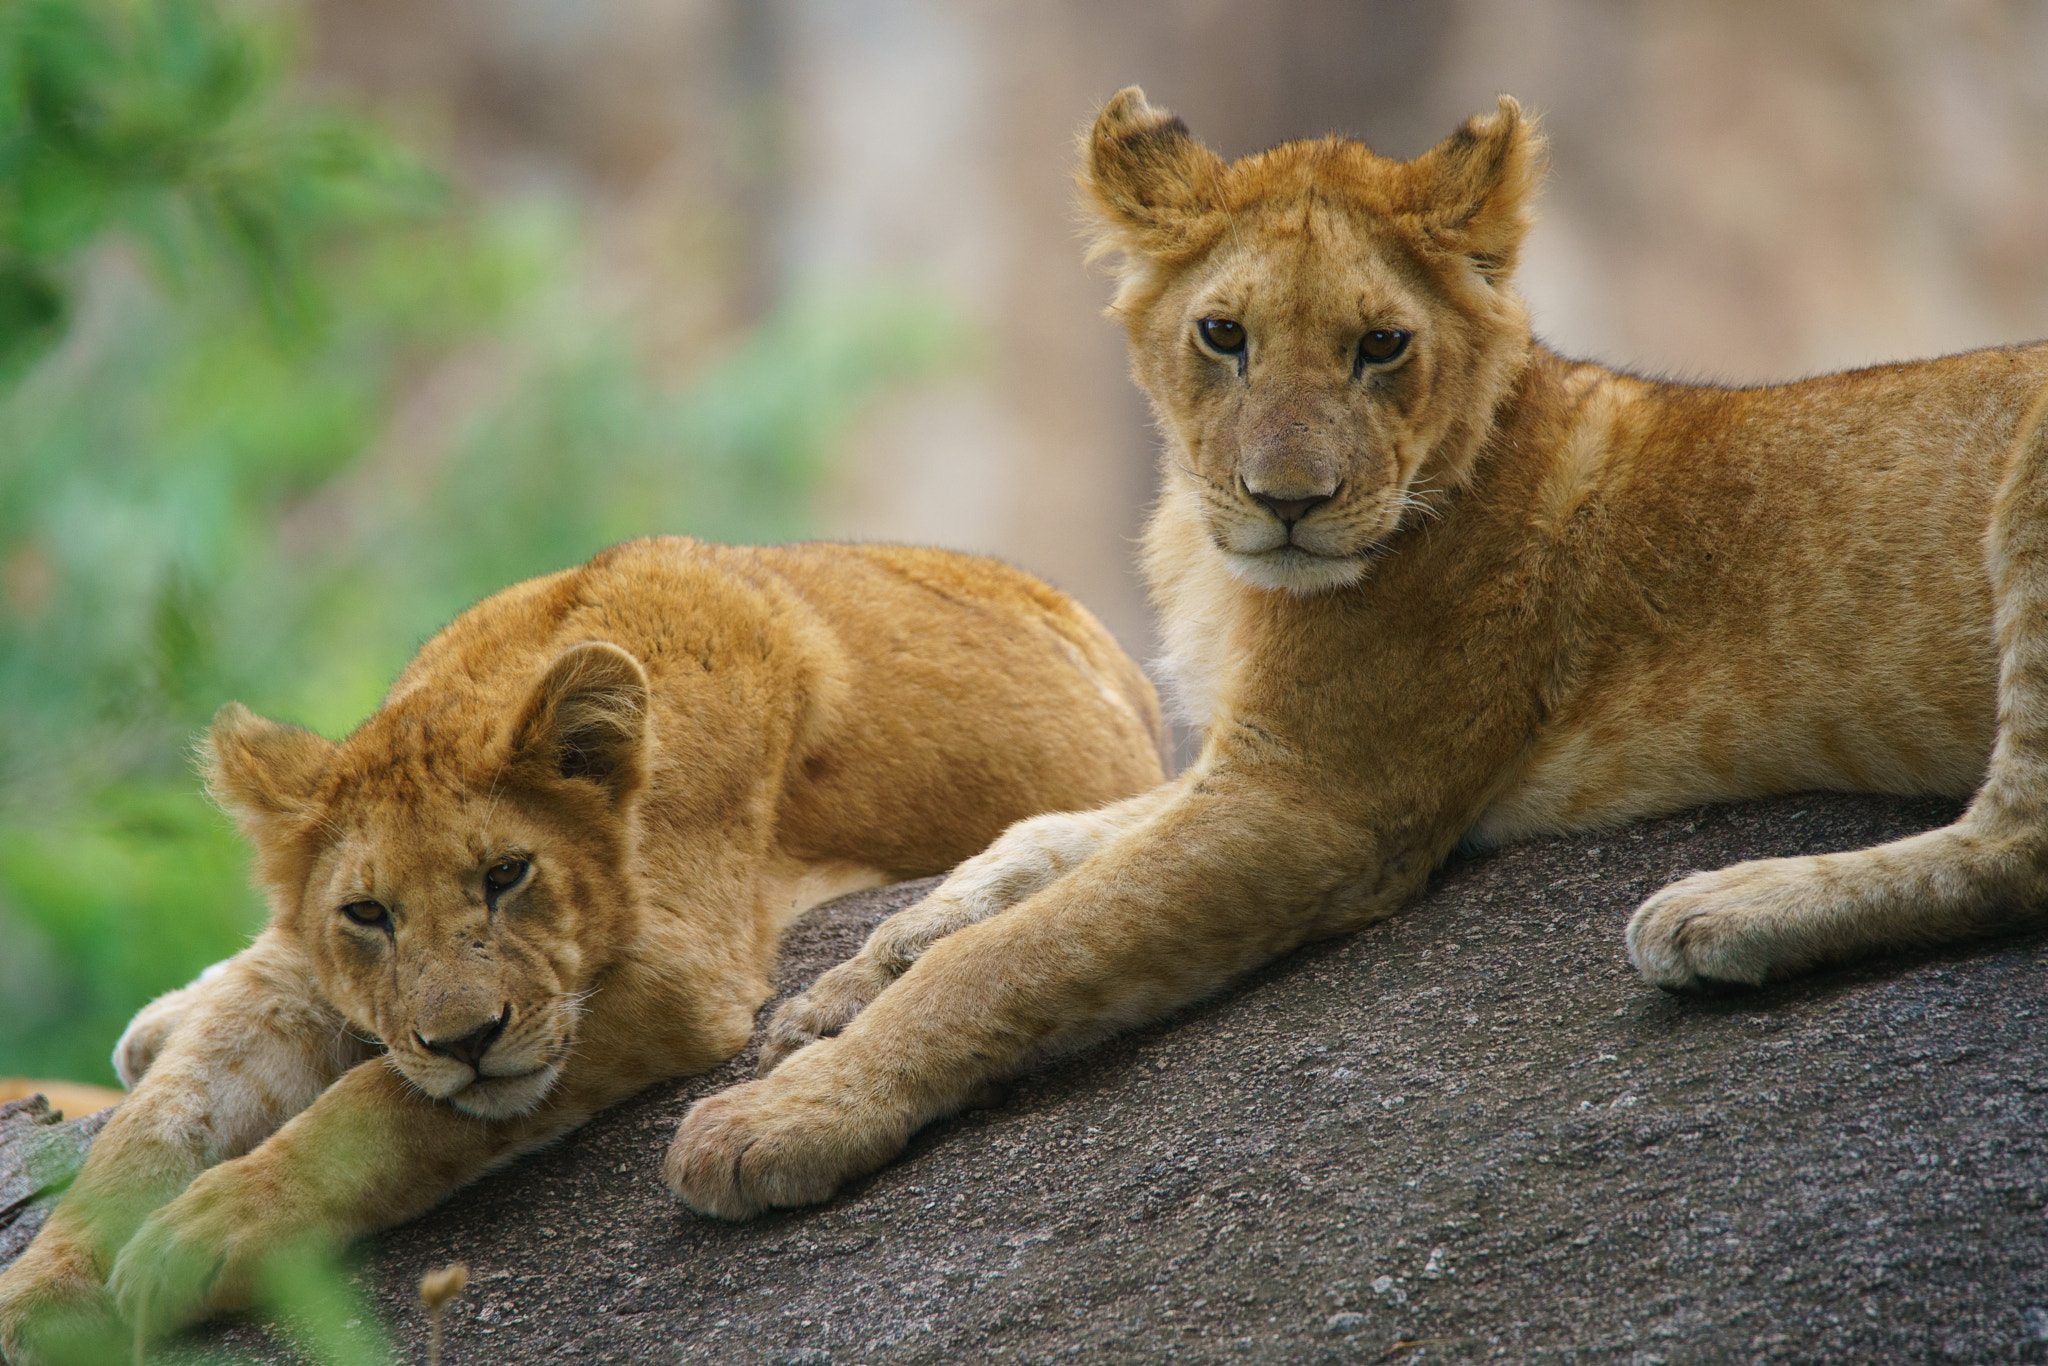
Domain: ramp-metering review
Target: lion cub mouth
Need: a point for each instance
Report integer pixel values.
(503, 1097)
(509, 1080)
(1294, 568)
(1305, 557)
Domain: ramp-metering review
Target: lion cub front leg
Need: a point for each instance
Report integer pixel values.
(1028, 857)
(370, 1152)
(154, 1024)
(1163, 914)
(255, 1046)
(1987, 872)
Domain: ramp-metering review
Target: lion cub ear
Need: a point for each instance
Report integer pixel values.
(263, 773)
(587, 719)
(1144, 176)
(1475, 189)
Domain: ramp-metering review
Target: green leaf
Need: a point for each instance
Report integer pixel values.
(32, 315)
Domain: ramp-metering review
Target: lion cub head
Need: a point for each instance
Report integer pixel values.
(1324, 333)
(455, 870)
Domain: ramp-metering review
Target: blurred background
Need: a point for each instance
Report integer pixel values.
(321, 319)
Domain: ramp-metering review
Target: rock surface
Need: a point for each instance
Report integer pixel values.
(1467, 1134)
(40, 1151)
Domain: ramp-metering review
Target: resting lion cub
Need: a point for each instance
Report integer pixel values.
(1426, 582)
(552, 869)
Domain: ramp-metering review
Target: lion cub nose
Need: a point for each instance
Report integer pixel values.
(1290, 510)
(471, 1047)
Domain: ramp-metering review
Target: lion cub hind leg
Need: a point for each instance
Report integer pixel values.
(1751, 922)
(1029, 856)
(1987, 872)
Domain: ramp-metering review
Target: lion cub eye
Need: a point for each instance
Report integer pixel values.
(1222, 335)
(1381, 345)
(504, 874)
(369, 914)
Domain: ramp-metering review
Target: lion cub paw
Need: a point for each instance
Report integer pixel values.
(152, 1026)
(54, 1308)
(827, 1006)
(1739, 925)
(202, 1254)
(772, 1143)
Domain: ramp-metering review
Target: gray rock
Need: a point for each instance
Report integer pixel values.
(1467, 1134)
(40, 1151)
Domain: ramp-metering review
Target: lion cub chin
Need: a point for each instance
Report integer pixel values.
(1427, 583)
(552, 869)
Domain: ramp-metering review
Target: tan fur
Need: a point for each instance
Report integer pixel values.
(1469, 592)
(687, 745)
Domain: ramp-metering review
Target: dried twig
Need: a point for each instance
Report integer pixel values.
(437, 1288)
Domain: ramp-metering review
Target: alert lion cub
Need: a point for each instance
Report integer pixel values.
(1426, 582)
(552, 869)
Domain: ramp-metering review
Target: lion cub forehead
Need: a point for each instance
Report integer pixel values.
(394, 816)
(1342, 270)
(396, 840)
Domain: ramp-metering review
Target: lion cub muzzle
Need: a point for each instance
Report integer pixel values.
(1288, 459)
(1288, 510)
(497, 1068)
(471, 1047)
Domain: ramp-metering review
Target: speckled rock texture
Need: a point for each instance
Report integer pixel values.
(40, 1151)
(1469, 1133)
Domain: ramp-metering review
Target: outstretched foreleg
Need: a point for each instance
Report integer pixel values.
(252, 1048)
(1216, 880)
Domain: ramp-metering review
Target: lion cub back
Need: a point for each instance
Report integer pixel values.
(986, 695)
(905, 704)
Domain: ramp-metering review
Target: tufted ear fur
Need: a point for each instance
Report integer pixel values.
(1145, 178)
(1476, 188)
(586, 719)
(263, 773)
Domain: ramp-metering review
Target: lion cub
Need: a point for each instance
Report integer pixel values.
(1426, 582)
(552, 869)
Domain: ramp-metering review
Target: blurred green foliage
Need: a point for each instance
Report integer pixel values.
(322, 1310)
(151, 119)
(274, 406)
